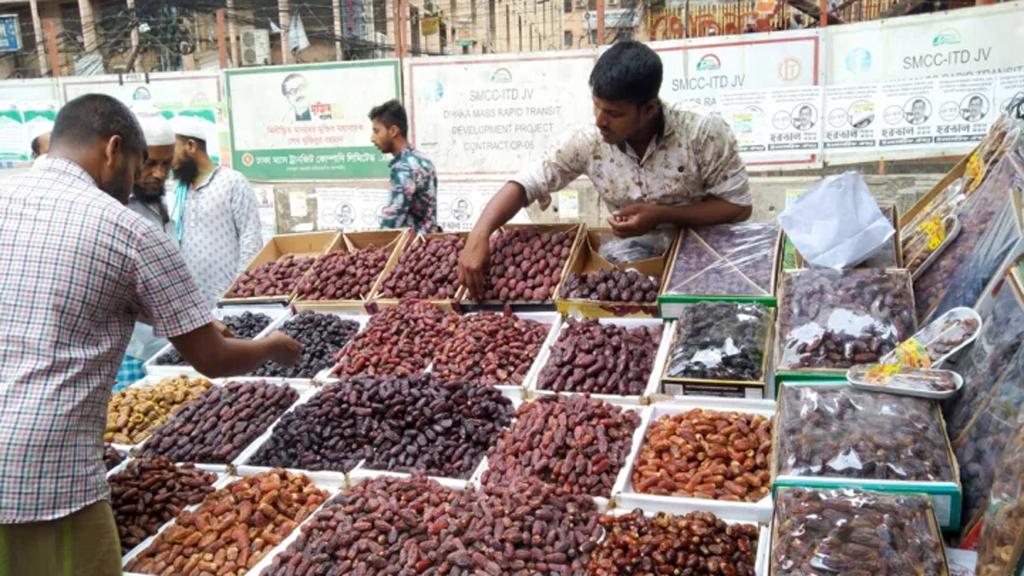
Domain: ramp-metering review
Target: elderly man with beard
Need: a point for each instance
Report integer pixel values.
(148, 201)
(79, 268)
(215, 213)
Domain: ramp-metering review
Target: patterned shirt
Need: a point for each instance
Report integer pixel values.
(692, 158)
(413, 202)
(220, 230)
(79, 268)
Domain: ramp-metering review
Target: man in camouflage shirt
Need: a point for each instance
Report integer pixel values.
(413, 202)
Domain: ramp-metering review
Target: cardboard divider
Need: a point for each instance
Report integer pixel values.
(351, 242)
(578, 232)
(311, 244)
(533, 384)
(377, 301)
(587, 260)
(627, 497)
(668, 387)
(274, 311)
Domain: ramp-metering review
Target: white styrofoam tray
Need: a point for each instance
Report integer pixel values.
(275, 313)
(532, 385)
(328, 483)
(151, 380)
(625, 496)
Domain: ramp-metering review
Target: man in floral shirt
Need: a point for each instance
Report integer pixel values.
(413, 202)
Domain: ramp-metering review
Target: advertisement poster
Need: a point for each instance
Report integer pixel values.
(161, 89)
(309, 122)
(20, 122)
(489, 117)
(268, 215)
(459, 204)
(350, 209)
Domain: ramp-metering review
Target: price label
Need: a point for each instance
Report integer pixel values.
(913, 354)
(935, 229)
(975, 170)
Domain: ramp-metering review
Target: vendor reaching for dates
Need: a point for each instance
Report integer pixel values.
(79, 268)
(652, 164)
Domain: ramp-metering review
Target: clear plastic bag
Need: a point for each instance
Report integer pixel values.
(836, 430)
(885, 256)
(725, 260)
(627, 250)
(837, 223)
(1001, 545)
(987, 221)
(980, 447)
(720, 341)
(855, 532)
(835, 319)
(986, 361)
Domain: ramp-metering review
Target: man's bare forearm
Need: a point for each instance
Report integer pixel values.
(704, 213)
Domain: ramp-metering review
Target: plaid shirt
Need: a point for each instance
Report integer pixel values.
(78, 269)
(413, 201)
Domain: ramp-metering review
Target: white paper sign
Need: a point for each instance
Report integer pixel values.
(350, 209)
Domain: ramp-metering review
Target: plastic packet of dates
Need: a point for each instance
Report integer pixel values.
(628, 250)
(855, 532)
(980, 448)
(725, 260)
(837, 223)
(1001, 545)
(988, 360)
(720, 341)
(835, 430)
(835, 319)
(959, 274)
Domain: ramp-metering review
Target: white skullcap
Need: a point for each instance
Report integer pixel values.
(191, 127)
(155, 127)
(39, 127)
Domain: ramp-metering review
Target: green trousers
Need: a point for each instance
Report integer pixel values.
(82, 544)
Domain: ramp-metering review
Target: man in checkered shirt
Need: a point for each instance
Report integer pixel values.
(78, 269)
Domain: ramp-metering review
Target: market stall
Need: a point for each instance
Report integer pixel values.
(713, 401)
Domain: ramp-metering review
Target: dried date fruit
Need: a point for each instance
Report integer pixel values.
(427, 270)
(412, 424)
(835, 319)
(398, 341)
(134, 412)
(855, 532)
(696, 543)
(576, 442)
(720, 341)
(706, 454)
(234, 528)
(112, 457)
(837, 430)
(276, 278)
(149, 492)
(343, 275)
(220, 423)
(490, 349)
(526, 264)
(246, 325)
(601, 358)
(1000, 547)
(321, 336)
(611, 285)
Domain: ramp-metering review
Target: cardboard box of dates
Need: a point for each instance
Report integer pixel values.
(528, 264)
(597, 288)
(832, 435)
(346, 274)
(830, 320)
(719, 349)
(272, 274)
(730, 262)
(425, 269)
(710, 454)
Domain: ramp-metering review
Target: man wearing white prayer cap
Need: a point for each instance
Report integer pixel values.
(40, 142)
(148, 200)
(214, 209)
